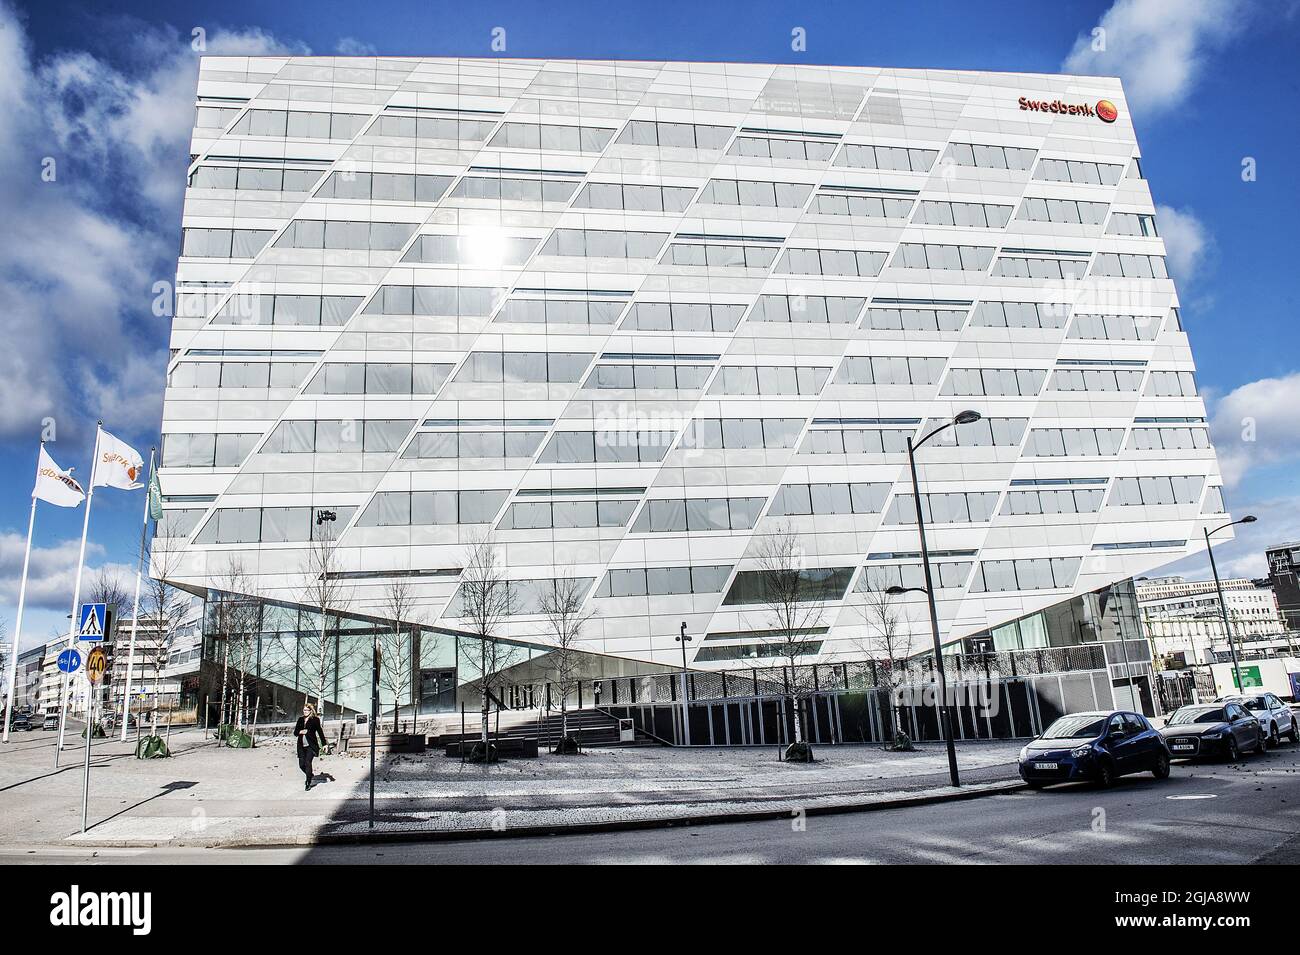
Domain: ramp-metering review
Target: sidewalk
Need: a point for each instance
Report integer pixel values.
(209, 796)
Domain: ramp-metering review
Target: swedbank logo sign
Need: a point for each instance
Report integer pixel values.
(1105, 110)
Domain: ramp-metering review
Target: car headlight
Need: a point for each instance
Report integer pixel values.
(1024, 752)
(1214, 734)
(1081, 751)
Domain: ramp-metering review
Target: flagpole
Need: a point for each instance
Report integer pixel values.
(76, 598)
(135, 614)
(22, 599)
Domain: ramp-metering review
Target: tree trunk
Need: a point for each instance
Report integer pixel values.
(225, 680)
(484, 677)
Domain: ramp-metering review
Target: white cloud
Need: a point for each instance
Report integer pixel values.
(80, 253)
(1158, 47)
(1186, 242)
(252, 41)
(52, 574)
(1256, 425)
(351, 46)
(1243, 554)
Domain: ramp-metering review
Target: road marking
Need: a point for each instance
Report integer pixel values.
(1195, 796)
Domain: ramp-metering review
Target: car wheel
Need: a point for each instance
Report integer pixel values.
(1234, 751)
(1273, 739)
(1261, 747)
(1105, 775)
(1294, 735)
(1161, 770)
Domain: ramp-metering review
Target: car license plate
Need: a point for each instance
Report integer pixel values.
(1182, 746)
(1046, 766)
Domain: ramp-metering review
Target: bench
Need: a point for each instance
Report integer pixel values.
(506, 746)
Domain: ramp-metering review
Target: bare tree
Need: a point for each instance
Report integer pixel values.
(236, 623)
(326, 657)
(486, 601)
(794, 600)
(562, 606)
(397, 672)
(108, 588)
(164, 606)
(889, 641)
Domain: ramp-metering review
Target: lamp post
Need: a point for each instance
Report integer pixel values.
(376, 661)
(1218, 586)
(945, 710)
(684, 638)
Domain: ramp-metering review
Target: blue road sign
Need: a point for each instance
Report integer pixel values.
(69, 660)
(93, 617)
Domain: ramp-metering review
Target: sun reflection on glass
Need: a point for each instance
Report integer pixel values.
(483, 246)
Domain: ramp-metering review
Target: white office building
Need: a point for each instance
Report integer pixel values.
(1185, 617)
(632, 319)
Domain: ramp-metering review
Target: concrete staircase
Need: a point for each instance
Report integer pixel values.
(592, 727)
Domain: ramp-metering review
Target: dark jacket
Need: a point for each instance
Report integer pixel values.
(313, 738)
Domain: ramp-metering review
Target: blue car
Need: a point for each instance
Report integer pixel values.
(1097, 747)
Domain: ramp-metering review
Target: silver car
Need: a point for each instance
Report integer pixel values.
(1275, 717)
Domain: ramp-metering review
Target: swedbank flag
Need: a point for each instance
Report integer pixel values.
(119, 465)
(55, 485)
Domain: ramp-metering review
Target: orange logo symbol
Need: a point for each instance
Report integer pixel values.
(1106, 111)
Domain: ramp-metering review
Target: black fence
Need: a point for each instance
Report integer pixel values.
(996, 708)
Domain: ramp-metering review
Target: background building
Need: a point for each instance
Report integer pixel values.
(1284, 575)
(634, 320)
(28, 679)
(1184, 617)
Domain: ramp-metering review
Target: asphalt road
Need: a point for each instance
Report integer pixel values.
(1201, 814)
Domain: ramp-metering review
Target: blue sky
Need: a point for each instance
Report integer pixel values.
(107, 96)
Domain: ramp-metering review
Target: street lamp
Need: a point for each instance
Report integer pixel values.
(684, 638)
(1218, 586)
(964, 417)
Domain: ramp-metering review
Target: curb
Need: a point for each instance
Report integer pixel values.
(899, 801)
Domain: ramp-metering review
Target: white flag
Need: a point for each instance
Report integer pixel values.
(55, 485)
(119, 464)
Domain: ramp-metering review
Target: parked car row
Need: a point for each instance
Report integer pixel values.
(1276, 719)
(1099, 746)
(27, 721)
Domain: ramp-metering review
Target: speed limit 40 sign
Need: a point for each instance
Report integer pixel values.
(96, 663)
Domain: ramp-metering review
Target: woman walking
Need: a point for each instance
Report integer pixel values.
(310, 738)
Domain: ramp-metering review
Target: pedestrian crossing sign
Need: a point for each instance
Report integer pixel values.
(91, 627)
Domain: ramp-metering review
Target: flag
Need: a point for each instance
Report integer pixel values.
(119, 464)
(55, 485)
(155, 497)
